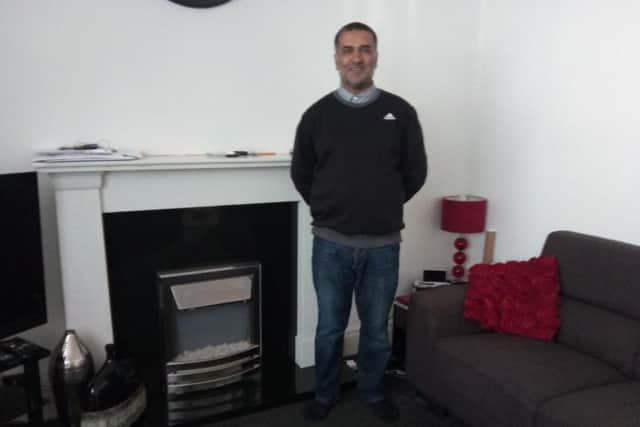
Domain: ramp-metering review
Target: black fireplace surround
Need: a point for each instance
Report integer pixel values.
(140, 244)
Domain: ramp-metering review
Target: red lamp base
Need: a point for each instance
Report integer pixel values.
(459, 257)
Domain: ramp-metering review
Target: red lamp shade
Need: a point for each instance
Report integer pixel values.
(463, 214)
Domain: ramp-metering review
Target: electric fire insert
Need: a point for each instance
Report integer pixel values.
(211, 319)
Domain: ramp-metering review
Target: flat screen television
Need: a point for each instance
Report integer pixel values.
(22, 289)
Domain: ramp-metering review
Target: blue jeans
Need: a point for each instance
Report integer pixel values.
(338, 272)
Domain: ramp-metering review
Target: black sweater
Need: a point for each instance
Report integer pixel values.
(356, 166)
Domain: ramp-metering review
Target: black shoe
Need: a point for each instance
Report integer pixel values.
(315, 411)
(385, 410)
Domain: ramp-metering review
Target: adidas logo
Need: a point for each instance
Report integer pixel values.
(389, 116)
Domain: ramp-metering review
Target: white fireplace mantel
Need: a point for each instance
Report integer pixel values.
(86, 190)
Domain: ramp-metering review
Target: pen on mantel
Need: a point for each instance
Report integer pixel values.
(242, 153)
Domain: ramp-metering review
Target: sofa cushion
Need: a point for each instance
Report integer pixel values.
(510, 376)
(608, 336)
(519, 298)
(612, 405)
(597, 271)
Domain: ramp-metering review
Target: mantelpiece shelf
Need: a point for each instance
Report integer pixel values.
(168, 162)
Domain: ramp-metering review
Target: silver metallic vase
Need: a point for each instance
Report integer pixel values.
(70, 370)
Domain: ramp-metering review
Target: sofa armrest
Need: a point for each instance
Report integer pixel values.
(433, 314)
(436, 313)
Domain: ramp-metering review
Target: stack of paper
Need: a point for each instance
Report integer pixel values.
(84, 153)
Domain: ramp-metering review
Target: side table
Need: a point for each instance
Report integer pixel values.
(18, 352)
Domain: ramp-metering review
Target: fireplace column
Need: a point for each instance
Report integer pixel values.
(83, 259)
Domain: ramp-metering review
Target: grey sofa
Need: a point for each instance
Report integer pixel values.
(588, 376)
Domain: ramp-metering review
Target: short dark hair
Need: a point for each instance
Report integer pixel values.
(355, 26)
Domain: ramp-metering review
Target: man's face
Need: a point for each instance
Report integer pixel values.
(356, 59)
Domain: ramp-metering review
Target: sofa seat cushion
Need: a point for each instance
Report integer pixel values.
(604, 334)
(510, 376)
(612, 405)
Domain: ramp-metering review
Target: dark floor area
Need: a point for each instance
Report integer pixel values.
(286, 410)
(351, 412)
(12, 401)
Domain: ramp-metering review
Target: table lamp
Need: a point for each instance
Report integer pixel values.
(462, 214)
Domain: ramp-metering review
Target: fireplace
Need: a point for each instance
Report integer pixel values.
(211, 321)
(181, 280)
(87, 193)
(208, 313)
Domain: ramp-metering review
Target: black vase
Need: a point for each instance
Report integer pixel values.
(115, 382)
(116, 395)
(70, 370)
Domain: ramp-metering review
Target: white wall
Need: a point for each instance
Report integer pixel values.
(556, 135)
(532, 104)
(155, 76)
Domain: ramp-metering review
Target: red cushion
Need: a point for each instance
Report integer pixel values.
(517, 297)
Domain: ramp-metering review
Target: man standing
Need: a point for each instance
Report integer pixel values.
(358, 157)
